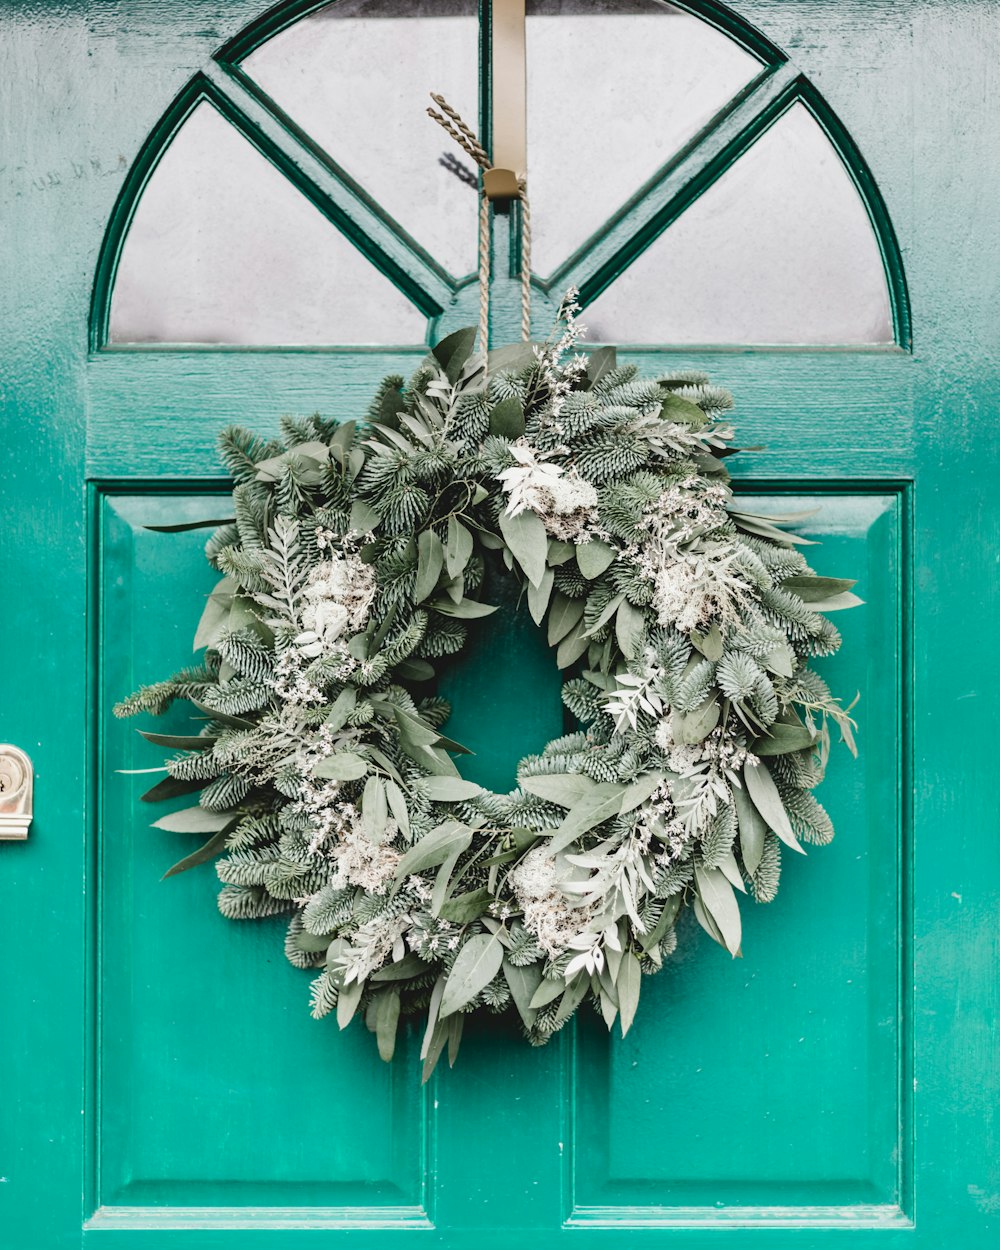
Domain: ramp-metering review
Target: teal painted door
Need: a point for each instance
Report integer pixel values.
(162, 1082)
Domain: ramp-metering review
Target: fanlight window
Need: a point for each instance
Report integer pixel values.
(223, 248)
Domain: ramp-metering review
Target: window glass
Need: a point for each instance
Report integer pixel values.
(779, 250)
(224, 249)
(356, 77)
(615, 89)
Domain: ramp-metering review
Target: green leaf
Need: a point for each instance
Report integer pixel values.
(434, 848)
(812, 589)
(780, 659)
(195, 820)
(594, 557)
(601, 361)
(172, 788)
(507, 419)
(215, 845)
(753, 829)
(190, 525)
(837, 603)
(538, 596)
(430, 561)
(459, 549)
(410, 965)
(215, 617)
(638, 791)
(414, 669)
(397, 805)
(783, 739)
(764, 793)
(450, 789)
(374, 810)
(341, 766)
(572, 646)
(600, 804)
(627, 986)
(559, 552)
(720, 902)
(528, 542)
(223, 718)
(386, 1022)
(348, 998)
(477, 964)
(675, 408)
(454, 350)
(179, 742)
(547, 992)
(709, 643)
(465, 907)
(690, 728)
(343, 706)
(467, 610)
(364, 518)
(630, 628)
(564, 615)
(512, 357)
(523, 983)
(563, 789)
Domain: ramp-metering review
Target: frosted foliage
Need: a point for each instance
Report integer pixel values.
(224, 249)
(356, 75)
(614, 91)
(779, 250)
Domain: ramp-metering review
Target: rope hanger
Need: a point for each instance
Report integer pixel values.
(504, 179)
(496, 184)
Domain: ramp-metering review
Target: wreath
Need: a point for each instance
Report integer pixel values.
(357, 554)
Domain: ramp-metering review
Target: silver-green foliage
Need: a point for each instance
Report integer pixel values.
(685, 625)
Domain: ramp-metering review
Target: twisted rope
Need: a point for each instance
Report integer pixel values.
(451, 121)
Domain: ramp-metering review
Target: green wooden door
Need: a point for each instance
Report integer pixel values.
(163, 1084)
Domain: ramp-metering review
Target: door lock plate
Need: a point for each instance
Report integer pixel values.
(16, 792)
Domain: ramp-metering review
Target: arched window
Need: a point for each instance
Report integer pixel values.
(685, 178)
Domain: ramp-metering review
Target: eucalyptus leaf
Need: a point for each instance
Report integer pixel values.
(812, 589)
(523, 983)
(467, 610)
(434, 848)
(195, 820)
(563, 789)
(476, 965)
(397, 805)
(341, 766)
(528, 542)
(565, 613)
(720, 903)
(454, 350)
(783, 739)
(172, 788)
(374, 810)
(764, 793)
(180, 742)
(538, 596)
(600, 362)
(753, 829)
(594, 557)
(572, 646)
(348, 1000)
(507, 419)
(600, 804)
(459, 549)
(343, 706)
(450, 789)
(430, 561)
(628, 985)
(630, 627)
(364, 518)
(465, 907)
(215, 616)
(386, 1022)
(410, 965)
(215, 845)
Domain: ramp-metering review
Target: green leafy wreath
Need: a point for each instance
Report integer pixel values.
(358, 552)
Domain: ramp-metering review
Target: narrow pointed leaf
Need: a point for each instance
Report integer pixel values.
(477, 964)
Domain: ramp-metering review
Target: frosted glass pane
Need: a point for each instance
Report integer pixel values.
(356, 76)
(224, 249)
(779, 250)
(615, 89)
